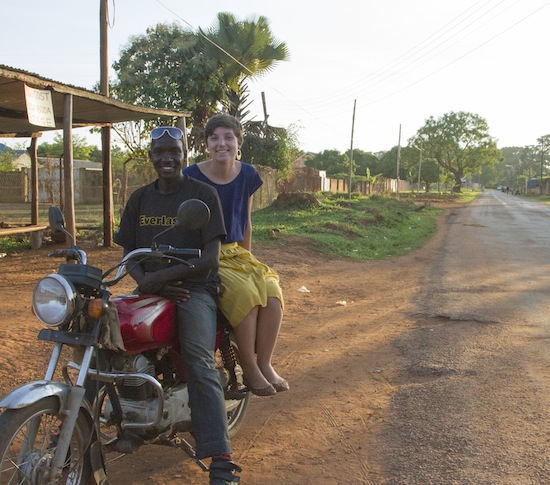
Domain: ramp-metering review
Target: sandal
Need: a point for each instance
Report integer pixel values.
(268, 390)
(223, 472)
(281, 385)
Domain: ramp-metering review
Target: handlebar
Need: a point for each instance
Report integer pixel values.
(172, 251)
(162, 251)
(70, 254)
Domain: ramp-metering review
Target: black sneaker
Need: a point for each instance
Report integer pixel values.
(223, 472)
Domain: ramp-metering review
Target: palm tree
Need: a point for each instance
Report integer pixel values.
(246, 49)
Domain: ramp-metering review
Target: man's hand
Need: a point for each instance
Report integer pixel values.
(153, 285)
(174, 293)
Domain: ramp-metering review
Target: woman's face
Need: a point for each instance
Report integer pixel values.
(222, 144)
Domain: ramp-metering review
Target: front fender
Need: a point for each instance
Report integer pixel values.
(32, 392)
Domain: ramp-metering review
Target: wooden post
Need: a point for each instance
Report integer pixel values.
(108, 212)
(68, 165)
(398, 162)
(351, 151)
(180, 123)
(34, 179)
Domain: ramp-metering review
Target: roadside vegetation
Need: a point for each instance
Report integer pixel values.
(374, 227)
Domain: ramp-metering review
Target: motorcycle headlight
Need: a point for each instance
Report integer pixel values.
(53, 300)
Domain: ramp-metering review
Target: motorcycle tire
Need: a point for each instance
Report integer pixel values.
(28, 438)
(235, 417)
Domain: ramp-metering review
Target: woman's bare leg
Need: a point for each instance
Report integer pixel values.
(267, 331)
(246, 334)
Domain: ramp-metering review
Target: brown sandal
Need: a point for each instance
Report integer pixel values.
(268, 390)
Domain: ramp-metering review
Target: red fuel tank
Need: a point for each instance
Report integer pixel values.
(146, 322)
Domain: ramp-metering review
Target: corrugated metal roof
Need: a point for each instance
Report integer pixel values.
(89, 108)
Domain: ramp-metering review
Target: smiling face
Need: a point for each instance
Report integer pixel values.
(167, 156)
(222, 144)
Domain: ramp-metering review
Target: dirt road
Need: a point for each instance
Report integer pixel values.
(429, 368)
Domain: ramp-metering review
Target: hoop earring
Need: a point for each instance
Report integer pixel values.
(239, 154)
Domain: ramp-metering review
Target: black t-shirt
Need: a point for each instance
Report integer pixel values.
(148, 212)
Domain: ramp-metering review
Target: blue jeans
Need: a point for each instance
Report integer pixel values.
(197, 336)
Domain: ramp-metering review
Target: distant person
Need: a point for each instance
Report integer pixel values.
(251, 297)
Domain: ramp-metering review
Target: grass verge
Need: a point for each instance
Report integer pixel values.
(372, 227)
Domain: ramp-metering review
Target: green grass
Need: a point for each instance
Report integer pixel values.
(375, 227)
(11, 244)
(364, 228)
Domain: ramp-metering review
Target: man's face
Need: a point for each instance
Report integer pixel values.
(167, 156)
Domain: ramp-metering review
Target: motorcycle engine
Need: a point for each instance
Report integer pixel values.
(135, 388)
(138, 400)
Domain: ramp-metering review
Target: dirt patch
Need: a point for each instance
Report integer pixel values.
(335, 349)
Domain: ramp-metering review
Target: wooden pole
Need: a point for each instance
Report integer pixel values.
(68, 165)
(351, 150)
(180, 123)
(266, 116)
(34, 180)
(108, 212)
(398, 161)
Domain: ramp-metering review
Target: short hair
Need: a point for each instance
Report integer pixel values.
(226, 121)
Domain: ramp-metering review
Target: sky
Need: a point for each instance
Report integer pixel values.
(398, 62)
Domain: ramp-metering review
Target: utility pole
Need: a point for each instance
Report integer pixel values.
(541, 162)
(266, 116)
(351, 150)
(108, 213)
(398, 162)
(419, 166)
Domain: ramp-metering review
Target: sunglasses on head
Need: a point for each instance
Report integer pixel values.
(172, 132)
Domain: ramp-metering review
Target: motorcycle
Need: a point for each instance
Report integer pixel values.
(125, 385)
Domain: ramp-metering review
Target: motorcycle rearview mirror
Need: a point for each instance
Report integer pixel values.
(57, 223)
(192, 214)
(55, 217)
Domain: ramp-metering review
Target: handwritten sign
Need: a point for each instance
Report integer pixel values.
(39, 107)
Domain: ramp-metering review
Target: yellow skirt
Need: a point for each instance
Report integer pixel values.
(245, 283)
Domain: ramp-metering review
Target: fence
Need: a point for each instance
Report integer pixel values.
(88, 193)
(15, 198)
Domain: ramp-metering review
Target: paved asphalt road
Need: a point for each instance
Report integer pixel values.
(472, 404)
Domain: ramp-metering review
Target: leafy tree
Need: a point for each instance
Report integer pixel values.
(118, 156)
(363, 162)
(166, 69)
(7, 157)
(544, 144)
(332, 161)
(249, 51)
(387, 165)
(272, 147)
(459, 142)
(529, 161)
(81, 149)
(411, 163)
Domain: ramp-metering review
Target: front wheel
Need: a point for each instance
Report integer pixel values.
(28, 439)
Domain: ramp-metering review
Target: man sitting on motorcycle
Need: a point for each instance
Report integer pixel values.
(149, 211)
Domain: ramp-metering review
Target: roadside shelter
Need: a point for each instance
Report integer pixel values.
(73, 107)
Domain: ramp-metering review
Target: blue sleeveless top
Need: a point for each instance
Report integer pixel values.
(234, 197)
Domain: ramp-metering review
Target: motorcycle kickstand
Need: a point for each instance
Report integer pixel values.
(183, 444)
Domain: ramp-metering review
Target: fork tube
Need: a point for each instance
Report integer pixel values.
(56, 352)
(85, 365)
(70, 415)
